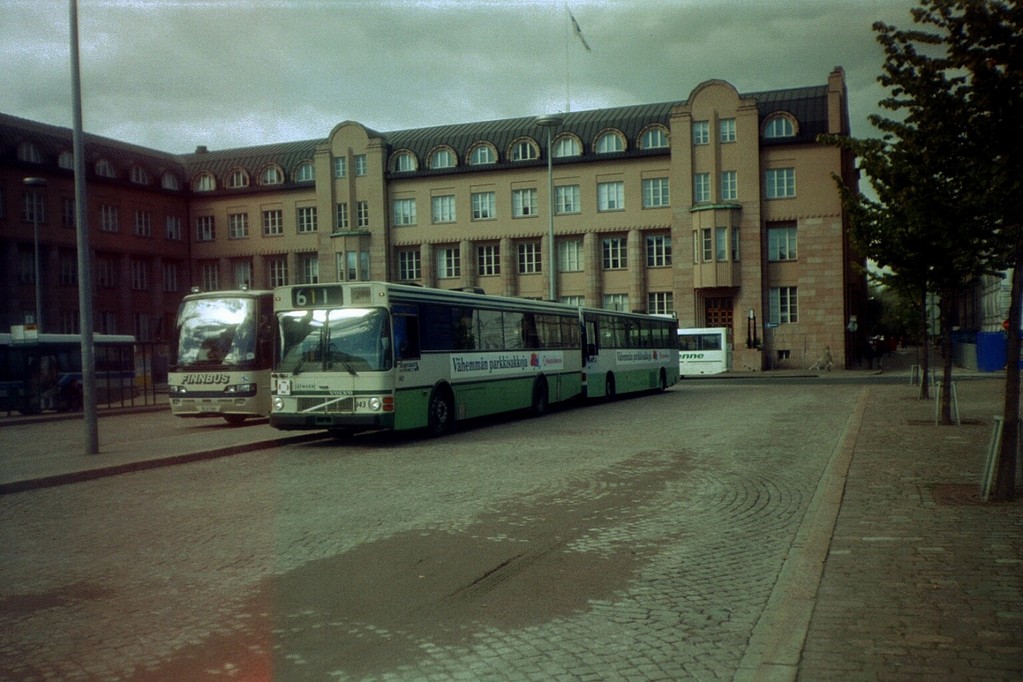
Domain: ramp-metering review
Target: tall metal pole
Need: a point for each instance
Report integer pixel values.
(84, 253)
(33, 184)
(550, 122)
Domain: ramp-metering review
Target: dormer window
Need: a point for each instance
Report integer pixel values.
(305, 172)
(66, 160)
(780, 125)
(442, 158)
(654, 138)
(610, 142)
(238, 178)
(105, 169)
(139, 175)
(403, 162)
(482, 154)
(204, 182)
(29, 153)
(567, 146)
(271, 175)
(170, 181)
(524, 150)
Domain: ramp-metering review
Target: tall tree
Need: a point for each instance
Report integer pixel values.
(949, 170)
(929, 224)
(985, 42)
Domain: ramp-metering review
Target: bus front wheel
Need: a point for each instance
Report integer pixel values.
(440, 418)
(609, 387)
(235, 419)
(541, 398)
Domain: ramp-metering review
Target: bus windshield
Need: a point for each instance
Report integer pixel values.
(348, 340)
(216, 332)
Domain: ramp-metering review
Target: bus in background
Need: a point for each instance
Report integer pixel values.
(628, 352)
(372, 355)
(704, 350)
(221, 355)
(44, 371)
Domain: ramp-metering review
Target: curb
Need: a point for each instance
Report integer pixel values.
(156, 463)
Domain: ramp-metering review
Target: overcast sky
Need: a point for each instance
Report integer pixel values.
(173, 74)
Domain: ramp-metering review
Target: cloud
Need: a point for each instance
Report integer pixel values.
(171, 74)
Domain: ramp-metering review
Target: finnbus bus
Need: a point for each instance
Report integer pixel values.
(221, 355)
(371, 355)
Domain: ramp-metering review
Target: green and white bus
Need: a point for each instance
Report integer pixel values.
(628, 352)
(368, 355)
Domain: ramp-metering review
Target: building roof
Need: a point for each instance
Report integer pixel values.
(809, 105)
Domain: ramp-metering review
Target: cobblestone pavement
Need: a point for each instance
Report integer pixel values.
(922, 580)
(664, 537)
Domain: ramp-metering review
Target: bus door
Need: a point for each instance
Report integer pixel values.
(591, 346)
(405, 328)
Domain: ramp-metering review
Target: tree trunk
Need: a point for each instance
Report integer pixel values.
(925, 364)
(945, 394)
(1005, 474)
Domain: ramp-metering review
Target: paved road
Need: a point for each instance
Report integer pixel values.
(774, 529)
(640, 539)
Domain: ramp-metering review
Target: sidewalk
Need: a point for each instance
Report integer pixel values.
(49, 450)
(922, 579)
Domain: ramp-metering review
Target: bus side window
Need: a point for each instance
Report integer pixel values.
(406, 337)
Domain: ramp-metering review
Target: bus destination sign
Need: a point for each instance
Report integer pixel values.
(317, 296)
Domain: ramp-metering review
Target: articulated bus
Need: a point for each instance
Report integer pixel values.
(704, 350)
(44, 371)
(221, 355)
(374, 355)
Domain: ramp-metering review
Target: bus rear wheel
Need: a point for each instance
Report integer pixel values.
(440, 417)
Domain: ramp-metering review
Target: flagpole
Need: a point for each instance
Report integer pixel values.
(568, 78)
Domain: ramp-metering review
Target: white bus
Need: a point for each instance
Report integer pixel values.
(374, 355)
(221, 355)
(704, 350)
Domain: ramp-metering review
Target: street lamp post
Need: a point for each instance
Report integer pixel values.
(549, 122)
(34, 184)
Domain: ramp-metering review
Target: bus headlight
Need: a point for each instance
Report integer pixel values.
(241, 388)
(375, 404)
(277, 404)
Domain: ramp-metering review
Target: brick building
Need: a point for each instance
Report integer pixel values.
(721, 209)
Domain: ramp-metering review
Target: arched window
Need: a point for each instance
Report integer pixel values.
(610, 142)
(238, 178)
(655, 137)
(271, 175)
(170, 181)
(403, 162)
(442, 158)
(780, 125)
(567, 145)
(305, 172)
(524, 149)
(204, 182)
(139, 175)
(29, 153)
(482, 154)
(105, 169)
